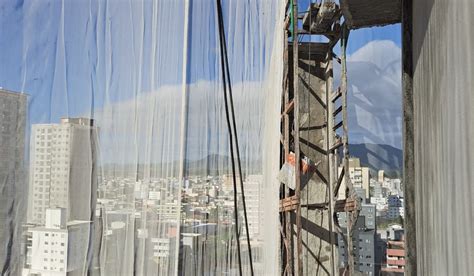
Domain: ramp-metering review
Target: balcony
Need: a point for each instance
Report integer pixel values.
(396, 262)
(395, 253)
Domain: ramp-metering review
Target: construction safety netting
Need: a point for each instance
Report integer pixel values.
(142, 137)
(117, 157)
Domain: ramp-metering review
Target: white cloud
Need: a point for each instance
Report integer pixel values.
(147, 127)
(375, 100)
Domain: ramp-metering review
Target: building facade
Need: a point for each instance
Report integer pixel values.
(252, 201)
(395, 207)
(363, 241)
(58, 248)
(359, 177)
(63, 169)
(395, 250)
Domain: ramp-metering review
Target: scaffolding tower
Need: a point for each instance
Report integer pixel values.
(314, 133)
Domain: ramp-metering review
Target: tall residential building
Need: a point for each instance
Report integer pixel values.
(252, 201)
(12, 177)
(359, 177)
(58, 248)
(63, 169)
(363, 239)
(381, 176)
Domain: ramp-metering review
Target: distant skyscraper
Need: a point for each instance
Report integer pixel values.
(252, 201)
(63, 164)
(381, 176)
(12, 177)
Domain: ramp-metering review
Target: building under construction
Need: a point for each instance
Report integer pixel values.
(315, 135)
(221, 138)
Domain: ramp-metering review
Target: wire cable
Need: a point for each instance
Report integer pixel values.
(232, 137)
(239, 166)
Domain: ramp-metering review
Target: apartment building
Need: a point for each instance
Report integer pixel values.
(63, 169)
(58, 248)
(358, 175)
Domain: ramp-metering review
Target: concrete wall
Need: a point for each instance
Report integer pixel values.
(443, 125)
(316, 231)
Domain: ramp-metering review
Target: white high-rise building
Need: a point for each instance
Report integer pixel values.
(359, 177)
(12, 177)
(381, 176)
(63, 168)
(252, 201)
(57, 248)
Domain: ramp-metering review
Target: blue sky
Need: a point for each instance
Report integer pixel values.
(69, 54)
(76, 57)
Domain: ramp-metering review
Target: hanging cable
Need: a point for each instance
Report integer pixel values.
(239, 166)
(236, 216)
(233, 137)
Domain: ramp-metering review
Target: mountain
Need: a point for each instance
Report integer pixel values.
(375, 156)
(379, 157)
(212, 164)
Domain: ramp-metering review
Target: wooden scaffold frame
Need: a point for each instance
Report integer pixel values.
(323, 20)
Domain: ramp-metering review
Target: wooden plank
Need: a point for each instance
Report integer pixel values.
(339, 182)
(316, 206)
(338, 59)
(337, 111)
(289, 249)
(336, 95)
(299, 241)
(336, 145)
(329, 34)
(289, 203)
(338, 125)
(288, 108)
(331, 159)
(286, 24)
(316, 230)
(345, 205)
